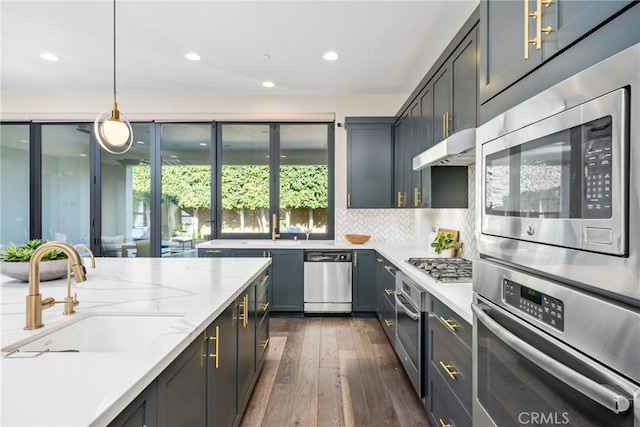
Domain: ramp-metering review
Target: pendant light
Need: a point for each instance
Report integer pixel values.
(113, 132)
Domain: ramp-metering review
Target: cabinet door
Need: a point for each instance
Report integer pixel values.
(222, 369)
(182, 388)
(464, 84)
(502, 58)
(364, 281)
(441, 103)
(246, 344)
(141, 412)
(287, 283)
(572, 19)
(402, 183)
(379, 287)
(414, 147)
(369, 165)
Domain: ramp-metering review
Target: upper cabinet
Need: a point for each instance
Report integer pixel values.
(370, 153)
(445, 104)
(518, 36)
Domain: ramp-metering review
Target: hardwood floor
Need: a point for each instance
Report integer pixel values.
(332, 371)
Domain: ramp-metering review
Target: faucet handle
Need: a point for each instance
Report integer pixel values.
(48, 302)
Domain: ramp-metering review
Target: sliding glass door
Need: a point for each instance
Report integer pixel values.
(126, 196)
(65, 183)
(14, 184)
(185, 216)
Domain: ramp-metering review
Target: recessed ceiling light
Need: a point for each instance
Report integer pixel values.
(268, 84)
(331, 56)
(49, 57)
(203, 144)
(192, 56)
(139, 142)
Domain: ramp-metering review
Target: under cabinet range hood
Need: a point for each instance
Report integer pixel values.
(457, 150)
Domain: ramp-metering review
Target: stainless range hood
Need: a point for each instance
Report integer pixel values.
(457, 150)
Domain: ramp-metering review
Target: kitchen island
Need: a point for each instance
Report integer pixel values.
(92, 388)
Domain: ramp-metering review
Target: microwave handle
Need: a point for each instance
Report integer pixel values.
(410, 313)
(606, 397)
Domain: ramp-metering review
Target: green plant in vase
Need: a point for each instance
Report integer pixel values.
(15, 261)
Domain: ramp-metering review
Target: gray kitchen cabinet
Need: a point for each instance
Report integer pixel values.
(287, 283)
(464, 84)
(370, 145)
(142, 412)
(222, 369)
(441, 89)
(263, 292)
(387, 301)
(402, 171)
(364, 281)
(182, 388)
(246, 345)
(450, 367)
(502, 57)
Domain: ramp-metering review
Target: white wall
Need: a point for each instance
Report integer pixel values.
(166, 108)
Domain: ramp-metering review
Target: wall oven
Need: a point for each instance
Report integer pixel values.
(411, 306)
(560, 182)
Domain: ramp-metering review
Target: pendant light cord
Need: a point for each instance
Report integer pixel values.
(114, 51)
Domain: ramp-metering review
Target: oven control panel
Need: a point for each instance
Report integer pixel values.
(545, 308)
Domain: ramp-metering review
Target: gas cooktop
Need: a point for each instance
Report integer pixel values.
(451, 270)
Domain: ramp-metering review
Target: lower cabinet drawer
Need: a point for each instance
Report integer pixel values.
(452, 361)
(262, 305)
(262, 342)
(446, 410)
(388, 319)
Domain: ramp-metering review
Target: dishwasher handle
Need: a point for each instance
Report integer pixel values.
(328, 256)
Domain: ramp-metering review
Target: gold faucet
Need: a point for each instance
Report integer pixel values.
(274, 235)
(89, 251)
(35, 303)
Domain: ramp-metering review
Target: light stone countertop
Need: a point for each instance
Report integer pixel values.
(80, 389)
(457, 296)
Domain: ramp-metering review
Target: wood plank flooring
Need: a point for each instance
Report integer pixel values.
(332, 371)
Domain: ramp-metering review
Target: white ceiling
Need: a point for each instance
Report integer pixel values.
(386, 47)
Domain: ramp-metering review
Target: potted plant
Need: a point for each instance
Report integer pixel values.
(446, 245)
(15, 261)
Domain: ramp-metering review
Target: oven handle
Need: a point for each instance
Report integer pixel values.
(410, 313)
(606, 397)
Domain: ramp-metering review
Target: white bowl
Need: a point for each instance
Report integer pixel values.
(49, 270)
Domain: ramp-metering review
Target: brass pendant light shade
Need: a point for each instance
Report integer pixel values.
(112, 129)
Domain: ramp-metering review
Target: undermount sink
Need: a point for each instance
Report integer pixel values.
(101, 333)
(273, 242)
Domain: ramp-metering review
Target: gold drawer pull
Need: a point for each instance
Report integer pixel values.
(265, 343)
(443, 424)
(379, 259)
(264, 306)
(450, 323)
(213, 251)
(217, 340)
(450, 370)
(388, 322)
(389, 291)
(388, 268)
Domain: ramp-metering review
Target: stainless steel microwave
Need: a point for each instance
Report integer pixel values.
(559, 181)
(562, 180)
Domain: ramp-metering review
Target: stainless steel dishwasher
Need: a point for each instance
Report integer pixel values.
(327, 281)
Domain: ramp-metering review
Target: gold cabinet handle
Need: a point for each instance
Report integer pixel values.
(388, 291)
(388, 322)
(547, 29)
(450, 370)
(379, 260)
(245, 317)
(348, 200)
(527, 29)
(217, 340)
(449, 124)
(416, 197)
(400, 199)
(264, 343)
(444, 126)
(450, 323)
(355, 258)
(264, 254)
(388, 268)
(212, 251)
(264, 306)
(443, 424)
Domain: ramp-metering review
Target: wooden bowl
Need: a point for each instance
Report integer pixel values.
(357, 238)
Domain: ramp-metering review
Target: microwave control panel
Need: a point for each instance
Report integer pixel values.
(545, 308)
(597, 169)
